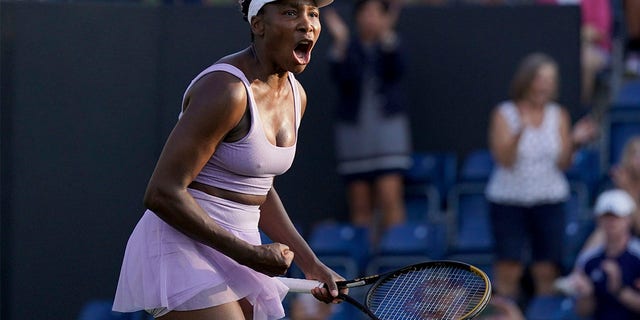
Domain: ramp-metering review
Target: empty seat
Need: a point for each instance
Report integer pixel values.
(341, 239)
(586, 168)
(551, 308)
(628, 96)
(469, 219)
(433, 171)
(422, 203)
(618, 128)
(413, 238)
(477, 166)
(405, 244)
(383, 263)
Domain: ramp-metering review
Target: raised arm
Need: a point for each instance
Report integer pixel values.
(339, 33)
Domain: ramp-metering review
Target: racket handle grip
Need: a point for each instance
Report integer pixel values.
(300, 285)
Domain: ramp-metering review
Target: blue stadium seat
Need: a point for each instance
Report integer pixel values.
(577, 206)
(628, 96)
(383, 263)
(618, 128)
(405, 244)
(422, 204)
(341, 239)
(586, 169)
(413, 238)
(469, 219)
(477, 166)
(264, 238)
(100, 309)
(345, 311)
(579, 222)
(551, 308)
(431, 170)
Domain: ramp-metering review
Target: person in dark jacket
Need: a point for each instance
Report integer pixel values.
(372, 130)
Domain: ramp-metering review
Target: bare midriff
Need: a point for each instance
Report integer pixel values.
(248, 199)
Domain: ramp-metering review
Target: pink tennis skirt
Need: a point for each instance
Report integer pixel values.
(163, 268)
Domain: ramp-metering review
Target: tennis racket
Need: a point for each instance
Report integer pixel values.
(427, 290)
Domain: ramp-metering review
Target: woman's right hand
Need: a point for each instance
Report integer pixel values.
(273, 259)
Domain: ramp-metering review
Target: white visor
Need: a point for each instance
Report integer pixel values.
(256, 5)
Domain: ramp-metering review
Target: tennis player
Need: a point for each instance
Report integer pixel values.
(196, 252)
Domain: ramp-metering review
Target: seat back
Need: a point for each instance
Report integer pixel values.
(469, 219)
(100, 309)
(476, 166)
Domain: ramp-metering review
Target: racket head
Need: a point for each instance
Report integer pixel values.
(430, 290)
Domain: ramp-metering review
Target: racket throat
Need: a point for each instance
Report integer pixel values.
(358, 305)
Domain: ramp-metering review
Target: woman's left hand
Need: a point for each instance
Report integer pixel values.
(328, 293)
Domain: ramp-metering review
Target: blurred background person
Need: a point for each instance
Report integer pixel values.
(372, 130)
(624, 176)
(596, 42)
(631, 10)
(596, 32)
(607, 284)
(532, 141)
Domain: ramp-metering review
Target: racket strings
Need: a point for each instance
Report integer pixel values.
(429, 293)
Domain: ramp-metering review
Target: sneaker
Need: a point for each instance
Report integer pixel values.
(632, 64)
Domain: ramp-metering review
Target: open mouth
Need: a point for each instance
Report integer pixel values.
(302, 51)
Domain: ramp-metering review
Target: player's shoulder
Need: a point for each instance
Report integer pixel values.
(220, 84)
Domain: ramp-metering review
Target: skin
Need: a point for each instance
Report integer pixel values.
(215, 110)
(503, 309)
(631, 13)
(503, 143)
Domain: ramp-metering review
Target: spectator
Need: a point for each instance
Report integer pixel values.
(632, 24)
(531, 139)
(625, 176)
(372, 131)
(595, 36)
(607, 284)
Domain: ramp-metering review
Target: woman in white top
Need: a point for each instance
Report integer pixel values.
(531, 140)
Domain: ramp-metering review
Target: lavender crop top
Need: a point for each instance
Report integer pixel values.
(249, 164)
